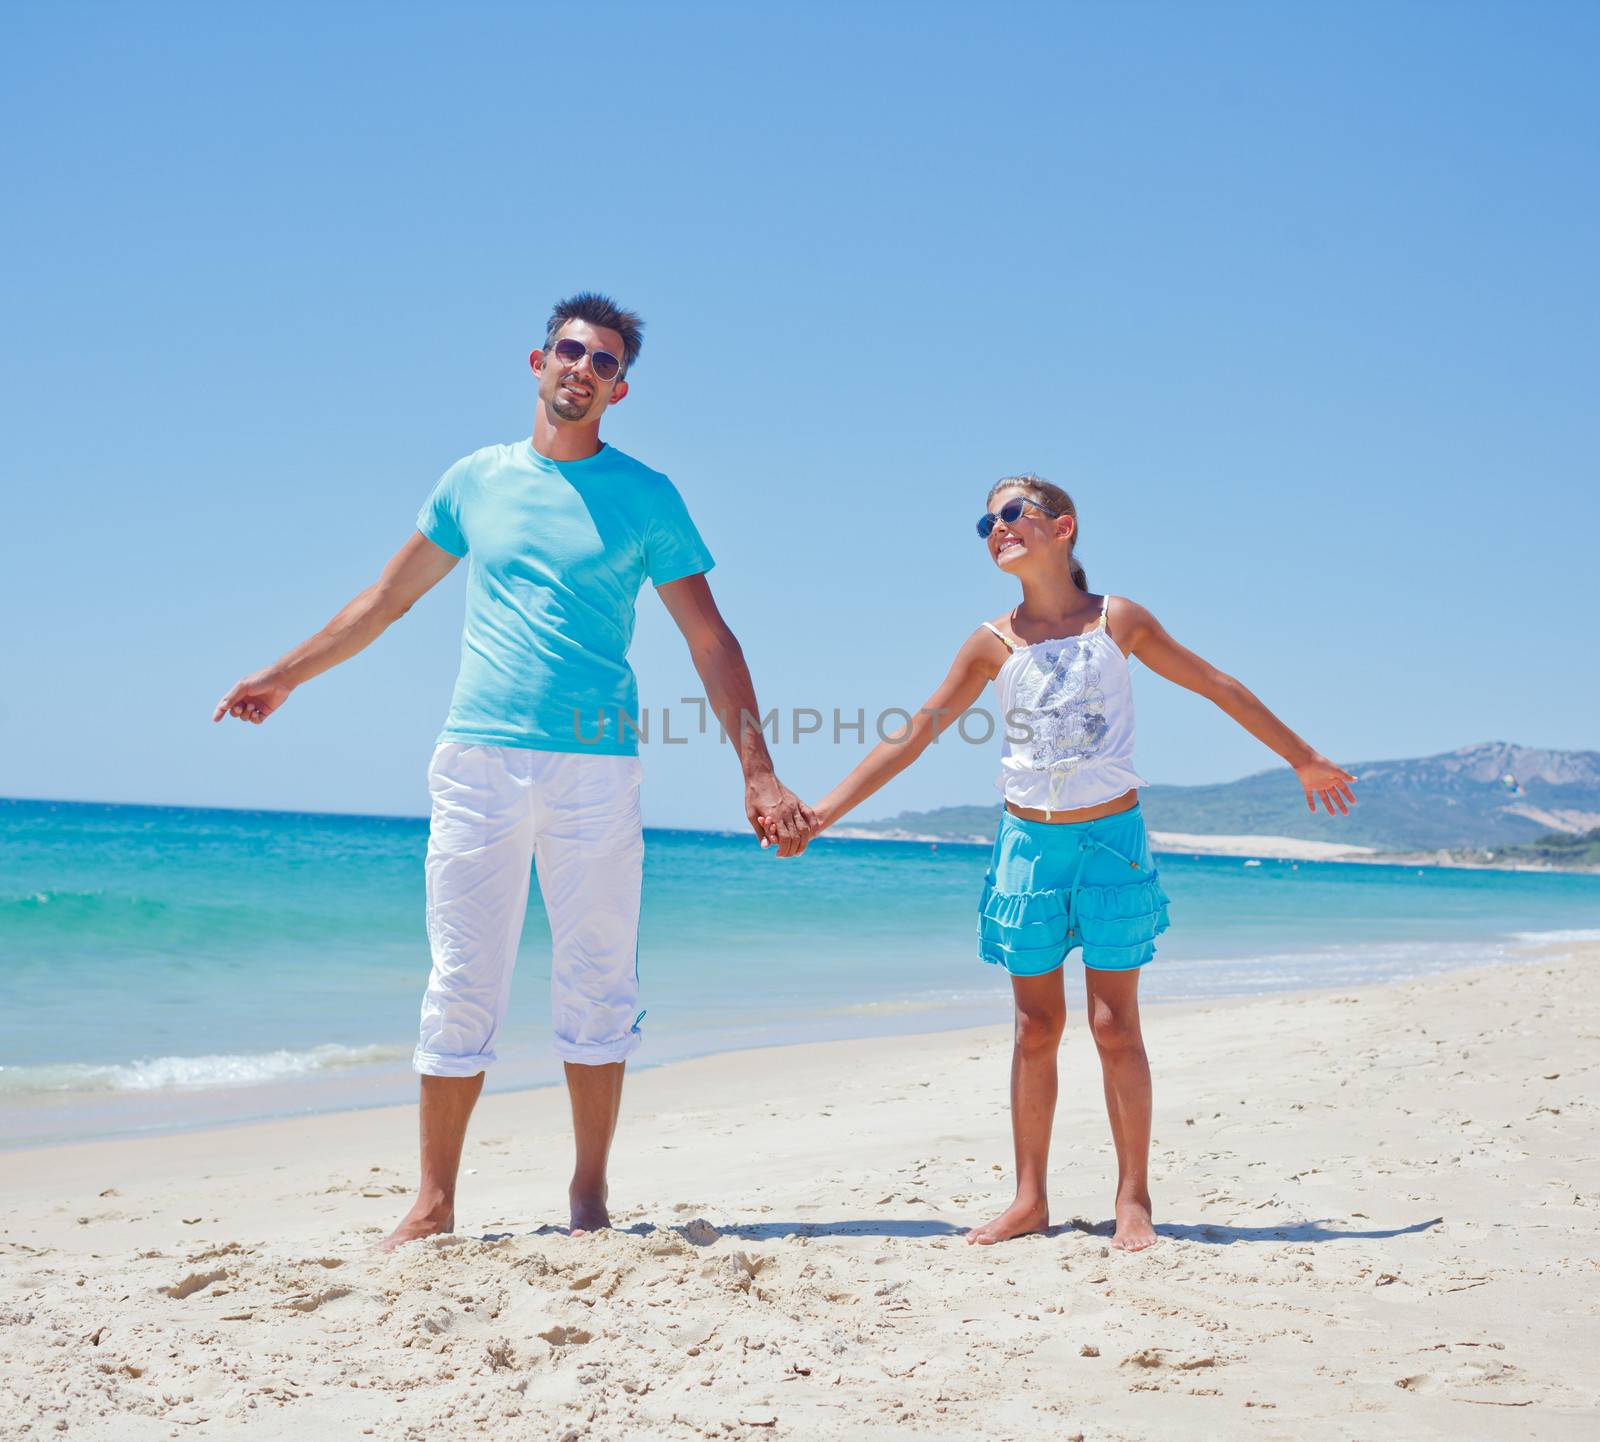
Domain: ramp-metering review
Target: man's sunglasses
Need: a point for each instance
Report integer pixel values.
(1010, 513)
(571, 351)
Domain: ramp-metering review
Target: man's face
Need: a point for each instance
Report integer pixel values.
(570, 389)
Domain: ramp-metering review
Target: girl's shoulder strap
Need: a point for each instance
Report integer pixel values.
(987, 626)
(1105, 612)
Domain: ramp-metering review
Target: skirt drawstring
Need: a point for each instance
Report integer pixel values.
(1087, 844)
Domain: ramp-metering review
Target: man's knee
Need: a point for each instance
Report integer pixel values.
(580, 1046)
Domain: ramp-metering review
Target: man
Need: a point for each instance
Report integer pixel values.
(536, 761)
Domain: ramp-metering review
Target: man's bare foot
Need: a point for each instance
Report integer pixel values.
(1134, 1229)
(425, 1219)
(1018, 1220)
(589, 1212)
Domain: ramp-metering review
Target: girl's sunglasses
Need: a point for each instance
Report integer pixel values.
(571, 351)
(1010, 513)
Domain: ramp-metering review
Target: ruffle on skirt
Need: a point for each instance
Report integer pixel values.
(1031, 932)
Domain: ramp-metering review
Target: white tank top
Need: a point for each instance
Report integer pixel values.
(1073, 699)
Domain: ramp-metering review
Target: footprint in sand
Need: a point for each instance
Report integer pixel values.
(311, 1302)
(735, 1273)
(228, 1249)
(1467, 1374)
(1153, 1357)
(194, 1282)
(437, 1322)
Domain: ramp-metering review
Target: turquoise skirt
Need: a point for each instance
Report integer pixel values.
(1053, 886)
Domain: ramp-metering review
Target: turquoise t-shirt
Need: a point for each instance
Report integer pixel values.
(559, 550)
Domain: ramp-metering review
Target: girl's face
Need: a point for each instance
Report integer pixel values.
(1030, 540)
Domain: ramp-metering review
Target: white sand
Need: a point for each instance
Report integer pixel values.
(1379, 1222)
(1286, 848)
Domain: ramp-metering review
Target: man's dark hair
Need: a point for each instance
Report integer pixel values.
(599, 310)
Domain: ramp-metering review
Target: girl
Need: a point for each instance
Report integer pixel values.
(1071, 867)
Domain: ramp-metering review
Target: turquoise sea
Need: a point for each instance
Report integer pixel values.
(166, 967)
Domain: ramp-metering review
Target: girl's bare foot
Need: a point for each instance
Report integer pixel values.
(588, 1210)
(427, 1218)
(1134, 1231)
(1020, 1219)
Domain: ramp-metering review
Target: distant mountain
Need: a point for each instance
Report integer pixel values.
(943, 823)
(1481, 797)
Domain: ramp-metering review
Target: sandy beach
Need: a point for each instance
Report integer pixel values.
(1377, 1211)
(1286, 848)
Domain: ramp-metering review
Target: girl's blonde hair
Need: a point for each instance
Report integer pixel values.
(1041, 490)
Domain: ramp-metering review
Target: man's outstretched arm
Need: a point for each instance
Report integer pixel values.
(720, 662)
(413, 570)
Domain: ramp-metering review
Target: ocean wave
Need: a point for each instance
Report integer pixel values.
(1315, 968)
(45, 898)
(67, 904)
(1539, 938)
(1387, 953)
(189, 1073)
(911, 1004)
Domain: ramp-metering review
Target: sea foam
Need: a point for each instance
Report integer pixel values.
(1556, 937)
(190, 1073)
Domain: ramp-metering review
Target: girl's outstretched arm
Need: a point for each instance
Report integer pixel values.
(1146, 638)
(975, 665)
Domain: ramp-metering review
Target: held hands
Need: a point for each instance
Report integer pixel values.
(254, 699)
(767, 828)
(778, 816)
(1320, 777)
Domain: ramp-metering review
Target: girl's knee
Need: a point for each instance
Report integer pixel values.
(1115, 1029)
(1040, 1029)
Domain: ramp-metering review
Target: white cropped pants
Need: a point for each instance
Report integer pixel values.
(499, 811)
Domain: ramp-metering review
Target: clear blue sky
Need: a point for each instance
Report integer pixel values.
(1299, 301)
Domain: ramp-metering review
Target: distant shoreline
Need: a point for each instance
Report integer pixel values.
(1263, 848)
